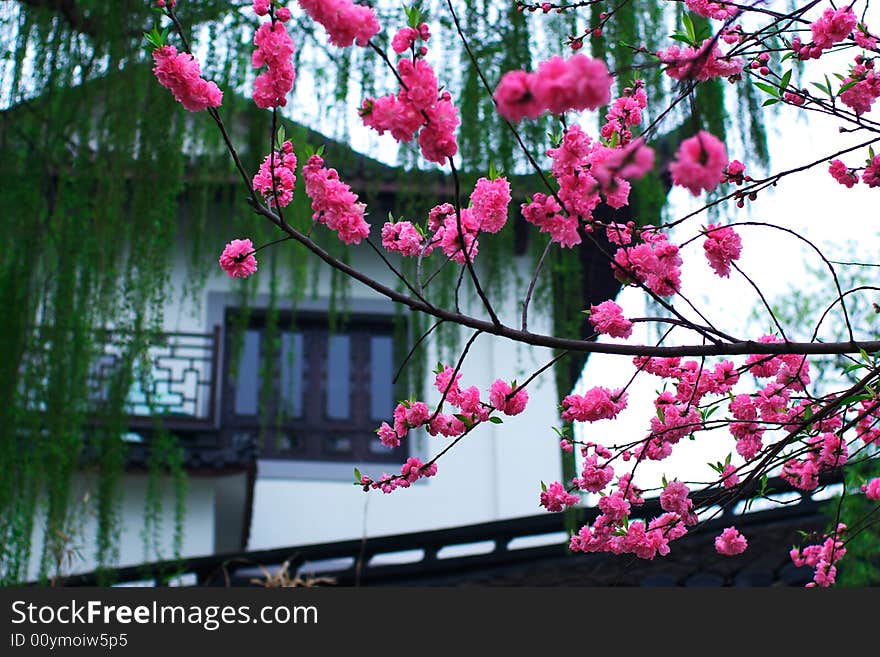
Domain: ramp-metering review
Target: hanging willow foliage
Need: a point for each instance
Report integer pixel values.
(103, 174)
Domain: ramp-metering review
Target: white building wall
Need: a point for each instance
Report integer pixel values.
(198, 535)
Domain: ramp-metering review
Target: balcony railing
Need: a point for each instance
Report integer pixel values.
(181, 386)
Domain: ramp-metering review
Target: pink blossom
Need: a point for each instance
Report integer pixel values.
(274, 51)
(700, 64)
(446, 425)
(437, 139)
(834, 26)
(578, 83)
(593, 476)
(459, 242)
(841, 173)
(489, 202)
(822, 557)
(872, 489)
(556, 498)
(630, 162)
(722, 246)
(448, 385)
(388, 436)
(699, 163)
(420, 86)
(871, 174)
(625, 112)
(608, 318)
(717, 10)
(674, 499)
(730, 542)
(729, 478)
(515, 97)
(402, 237)
(655, 263)
(180, 73)
(333, 202)
(864, 38)
(502, 397)
(596, 404)
(238, 260)
(545, 213)
(615, 507)
(404, 39)
(284, 177)
(863, 86)
(620, 233)
(345, 22)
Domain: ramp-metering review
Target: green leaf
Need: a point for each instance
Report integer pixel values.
(496, 420)
(543, 487)
(769, 88)
(821, 88)
(279, 137)
(769, 101)
(357, 476)
(681, 37)
(786, 78)
(689, 27)
(848, 85)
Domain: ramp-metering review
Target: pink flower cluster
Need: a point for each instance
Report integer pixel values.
(586, 171)
(596, 404)
(676, 412)
(333, 202)
(730, 542)
(489, 202)
(181, 74)
(546, 214)
(699, 163)
(833, 27)
(700, 64)
(612, 531)
(559, 85)
(722, 246)
(655, 263)
(556, 498)
(865, 87)
(871, 174)
(402, 237)
(842, 174)
(487, 212)
(607, 318)
(822, 558)
(410, 472)
(868, 427)
(285, 176)
(503, 397)
(624, 113)
(507, 399)
(274, 50)
(419, 106)
(827, 451)
(872, 489)
(717, 10)
(238, 260)
(346, 23)
(406, 38)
